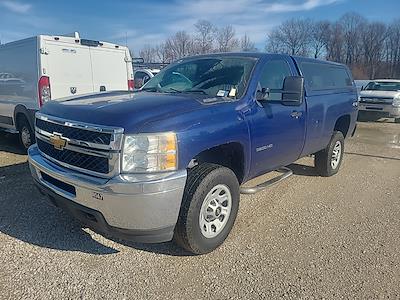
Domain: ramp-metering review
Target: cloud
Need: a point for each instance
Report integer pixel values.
(252, 17)
(291, 7)
(207, 8)
(135, 39)
(16, 7)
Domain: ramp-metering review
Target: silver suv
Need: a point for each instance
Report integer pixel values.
(381, 98)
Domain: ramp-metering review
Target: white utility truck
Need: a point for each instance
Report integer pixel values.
(44, 68)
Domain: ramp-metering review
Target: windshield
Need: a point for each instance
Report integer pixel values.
(212, 76)
(383, 86)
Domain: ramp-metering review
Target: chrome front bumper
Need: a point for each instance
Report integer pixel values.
(390, 110)
(136, 204)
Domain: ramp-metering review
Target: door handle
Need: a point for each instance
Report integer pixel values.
(296, 114)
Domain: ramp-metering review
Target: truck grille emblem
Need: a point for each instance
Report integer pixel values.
(58, 141)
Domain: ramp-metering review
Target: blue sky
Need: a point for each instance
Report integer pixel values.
(151, 21)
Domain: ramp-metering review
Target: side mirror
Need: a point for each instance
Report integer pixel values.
(293, 90)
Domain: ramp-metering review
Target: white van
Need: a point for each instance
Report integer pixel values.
(43, 68)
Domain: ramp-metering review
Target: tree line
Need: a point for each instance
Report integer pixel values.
(370, 49)
(206, 38)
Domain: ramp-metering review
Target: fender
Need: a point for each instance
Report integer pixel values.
(207, 128)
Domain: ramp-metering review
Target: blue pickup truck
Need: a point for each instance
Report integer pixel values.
(169, 161)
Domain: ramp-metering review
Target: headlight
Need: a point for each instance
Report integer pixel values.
(149, 153)
(396, 100)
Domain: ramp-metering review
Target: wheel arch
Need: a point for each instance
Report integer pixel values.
(230, 155)
(22, 111)
(342, 124)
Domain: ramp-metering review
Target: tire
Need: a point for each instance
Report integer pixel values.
(202, 181)
(26, 135)
(325, 163)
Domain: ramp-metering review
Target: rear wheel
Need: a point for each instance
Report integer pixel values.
(209, 208)
(328, 160)
(26, 135)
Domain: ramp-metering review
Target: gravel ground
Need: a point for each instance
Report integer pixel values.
(307, 237)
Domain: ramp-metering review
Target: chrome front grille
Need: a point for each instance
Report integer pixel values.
(76, 159)
(375, 100)
(87, 148)
(75, 133)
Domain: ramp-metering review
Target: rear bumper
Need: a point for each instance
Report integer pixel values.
(384, 110)
(141, 208)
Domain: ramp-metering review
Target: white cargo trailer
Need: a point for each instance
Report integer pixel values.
(44, 68)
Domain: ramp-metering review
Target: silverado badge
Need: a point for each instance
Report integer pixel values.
(58, 141)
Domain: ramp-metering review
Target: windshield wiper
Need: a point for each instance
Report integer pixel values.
(174, 90)
(196, 91)
(154, 89)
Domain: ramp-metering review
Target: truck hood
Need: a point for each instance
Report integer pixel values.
(379, 94)
(128, 110)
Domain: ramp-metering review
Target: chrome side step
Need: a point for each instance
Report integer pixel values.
(286, 172)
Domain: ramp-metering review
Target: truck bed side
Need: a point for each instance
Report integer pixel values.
(327, 109)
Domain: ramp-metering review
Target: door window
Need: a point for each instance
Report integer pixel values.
(272, 77)
(322, 76)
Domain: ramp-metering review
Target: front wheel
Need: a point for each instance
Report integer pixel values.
(328, 161)
(209, 208)
(26, 135)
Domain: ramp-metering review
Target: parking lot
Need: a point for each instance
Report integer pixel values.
(307, 237)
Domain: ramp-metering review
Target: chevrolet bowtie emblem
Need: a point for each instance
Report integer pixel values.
(58, 141)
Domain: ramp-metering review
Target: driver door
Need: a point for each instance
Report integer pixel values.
(277, 129)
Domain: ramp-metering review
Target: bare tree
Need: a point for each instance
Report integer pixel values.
(373, 45)
(246, 44)
(319, 32)
(334, 42)
(392, 49)
(149, 54)
(273, 45)
(162, 53)
(292, 37)
(226, 39)
(179, 45)
(352, 25)
(205, 35)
